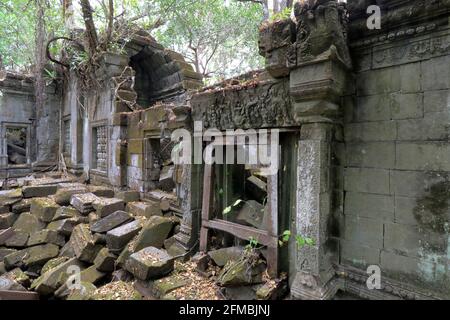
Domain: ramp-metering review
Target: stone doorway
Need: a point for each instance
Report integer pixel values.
(17, 144)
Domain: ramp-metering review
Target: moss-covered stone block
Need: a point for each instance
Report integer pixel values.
(83, 243)
(44, 209)
(150, 263)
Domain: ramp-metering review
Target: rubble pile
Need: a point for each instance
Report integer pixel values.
(64, 240)
(50, 227)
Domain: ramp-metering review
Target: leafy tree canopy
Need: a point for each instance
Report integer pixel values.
(219, 37)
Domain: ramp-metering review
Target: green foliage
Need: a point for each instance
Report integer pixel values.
(282, 15)
(252, 244)
(220, 38)
(17, 31)
(299, 239)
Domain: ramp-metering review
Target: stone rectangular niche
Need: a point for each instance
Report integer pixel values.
(100, 148)
(67, 147)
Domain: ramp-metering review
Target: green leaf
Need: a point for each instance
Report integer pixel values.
(227, 210)
(237, 202)
(286, 235)
(309, 241)
(300, 241)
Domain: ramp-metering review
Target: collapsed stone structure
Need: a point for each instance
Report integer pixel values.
(363, 119)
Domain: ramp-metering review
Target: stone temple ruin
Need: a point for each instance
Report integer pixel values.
(363, 120)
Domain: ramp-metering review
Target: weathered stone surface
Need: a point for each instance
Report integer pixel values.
(38, 191)
(145, 209)
(8, 284)
(23, 205)
(5, 251)
(257, 188)
(85, 292)
(93, 218)
(169, 242)
(83, 243)
(67, 250)
(92, 275)
(240, 272)
(28, 223)
(63, 195)
(118, 290)
(7, 220)
(10, 197)
(111, 221)
(150, 263)
(128, 196)
(66, 213)
(101, 191)
(117, 238)
(166, 182)
(18, 240)
(50, 281)
(252, 213)
(37, 255)
(83, 202)
(4, 209)
(224, 255)
(53, 263)
(65, 226)
(2, 268)
(18, 276)
(272, 290)
(46, 236)
(44, 209)
(159, 288)
(105, 261)
(125, 254)
(5, 234)
(106, 206)
(153, 233)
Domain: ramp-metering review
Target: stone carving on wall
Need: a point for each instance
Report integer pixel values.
(321, 32)
(275, 40)
(265, 106)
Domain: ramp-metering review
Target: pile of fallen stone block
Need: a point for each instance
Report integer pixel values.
(61, 239)
(67, 240)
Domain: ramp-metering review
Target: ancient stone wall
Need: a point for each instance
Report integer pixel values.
(39, 148)
(396, 177)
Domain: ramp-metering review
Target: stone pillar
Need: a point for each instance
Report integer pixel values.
(320, 63)
(313, 263)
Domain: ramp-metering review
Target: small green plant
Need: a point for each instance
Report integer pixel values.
(252, 244)
(284, 14)
(299, 239)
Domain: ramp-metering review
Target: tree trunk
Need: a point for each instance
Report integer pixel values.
(40, 58)
(68, 13)
(91, 31)
(39, 85)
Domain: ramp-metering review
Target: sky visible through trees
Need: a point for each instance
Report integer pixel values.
(218, 37)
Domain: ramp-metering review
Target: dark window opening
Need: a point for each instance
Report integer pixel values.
(17, 145)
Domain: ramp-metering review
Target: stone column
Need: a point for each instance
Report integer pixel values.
(320, 63)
